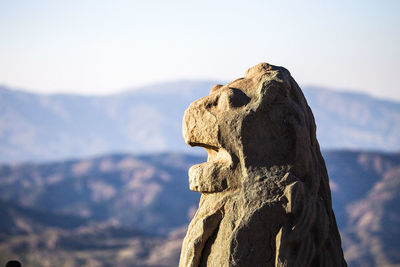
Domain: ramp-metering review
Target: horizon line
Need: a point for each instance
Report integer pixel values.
(183, 80)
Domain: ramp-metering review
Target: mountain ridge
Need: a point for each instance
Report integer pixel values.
(37, 127)
(155, 85)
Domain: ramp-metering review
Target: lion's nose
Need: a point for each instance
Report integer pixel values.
(199, 126)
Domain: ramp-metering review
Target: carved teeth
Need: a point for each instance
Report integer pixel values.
(220, 155)
(215, 153)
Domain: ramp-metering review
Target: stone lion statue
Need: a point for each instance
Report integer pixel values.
(265, 196)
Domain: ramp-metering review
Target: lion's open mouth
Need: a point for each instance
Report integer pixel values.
(211, 176)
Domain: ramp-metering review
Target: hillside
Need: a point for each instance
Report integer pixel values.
(133, 209)
(37, 127)
(365, 189)
(148, 192)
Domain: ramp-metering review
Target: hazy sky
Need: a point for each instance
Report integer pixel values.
(93, 46)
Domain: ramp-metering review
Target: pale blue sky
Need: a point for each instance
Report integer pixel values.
(93, 46)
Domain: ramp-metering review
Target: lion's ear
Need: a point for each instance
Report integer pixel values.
(215, 88)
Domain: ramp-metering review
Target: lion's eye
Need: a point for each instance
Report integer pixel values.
(238, 98)
(232, 98)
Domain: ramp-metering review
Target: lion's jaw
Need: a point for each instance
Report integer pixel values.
(214, 123)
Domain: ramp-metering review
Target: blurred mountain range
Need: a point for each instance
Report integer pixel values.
(126, 210)
(149, 192)
(36, 127)
(132, 209)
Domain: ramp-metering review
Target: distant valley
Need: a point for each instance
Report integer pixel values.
(132, 210)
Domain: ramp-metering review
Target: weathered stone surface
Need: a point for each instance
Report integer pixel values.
(265, 191)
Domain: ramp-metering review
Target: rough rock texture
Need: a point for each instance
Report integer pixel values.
(265, 191)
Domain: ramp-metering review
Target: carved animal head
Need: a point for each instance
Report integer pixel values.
(255, 128)
(248, 126)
